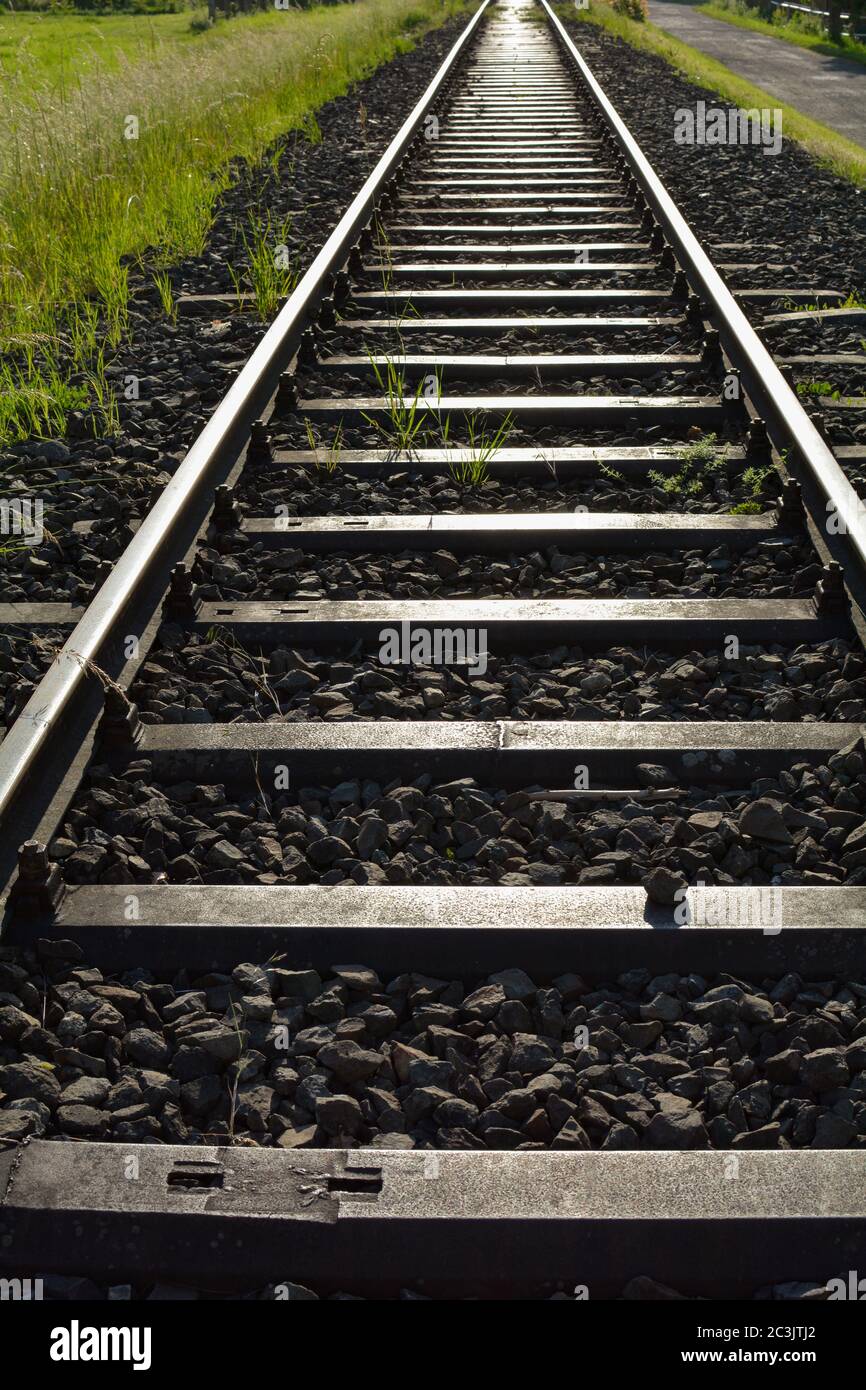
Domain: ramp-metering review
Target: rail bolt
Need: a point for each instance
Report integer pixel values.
(225, 512)
(179, 604)
(120, 726)
(790, 505)
(712, 348)
(260, 443)
(286, 401)
(307, 348)
(103, 570)
(830, 590)
(680, 285)
(39, 887)
(758, 445)
(327, 313)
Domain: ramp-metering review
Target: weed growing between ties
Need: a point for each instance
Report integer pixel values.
(818, 388)
(854, 300)
(755, 478)
(406, 427)
(474, 469)
(325, 459)
(701, 462)
(165, 290)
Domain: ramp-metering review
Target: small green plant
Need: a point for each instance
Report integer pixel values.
(407, 417)
(474, 470)
(82, 331)
(35, 397)
(612, 474)
(854, 300)
(272, 161)
(700, 461)
(754, 478)
(818, 388)
(791, 306)
(106, 416)
(165, 290)
(311, 129)
(329, 460)
(756, 475)
(233, 1077)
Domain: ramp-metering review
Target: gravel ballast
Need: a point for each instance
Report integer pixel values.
(189, 679)
(284, 1057)
(304, 490)
(804, 827)
(773, 568)
(280, 1055)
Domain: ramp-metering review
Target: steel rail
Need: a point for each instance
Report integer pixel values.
(30, 735)
(765, 383)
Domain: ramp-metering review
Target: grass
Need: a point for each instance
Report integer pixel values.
(165, 290)
(855, 300)
(59, 47)
(754, 478)
(35, 398)
(800, 29)
(271, 272)
(328, 461)
(79, 201)
(405, 430)
(475, 470)
(842, 156)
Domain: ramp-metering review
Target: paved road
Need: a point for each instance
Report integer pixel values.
(830, 90)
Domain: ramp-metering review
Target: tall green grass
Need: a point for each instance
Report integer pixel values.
(79, 199)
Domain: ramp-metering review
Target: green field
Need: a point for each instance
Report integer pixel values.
(79, 193)
(63, 45)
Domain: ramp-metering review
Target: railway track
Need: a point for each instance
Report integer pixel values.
(452, 736)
